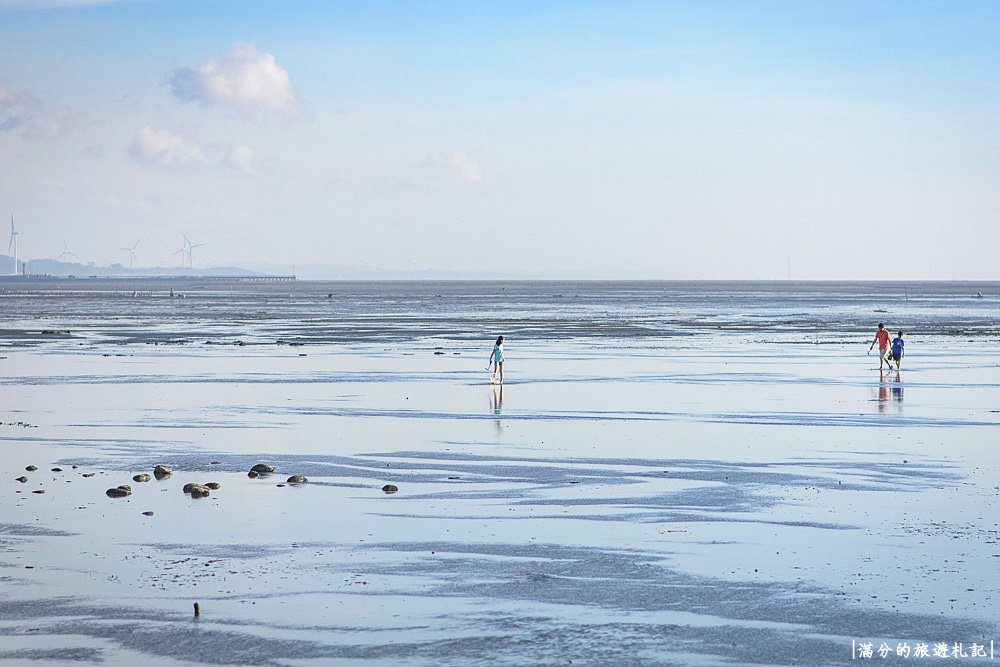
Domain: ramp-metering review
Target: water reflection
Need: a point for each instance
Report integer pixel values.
(883, 393)
(496, 404)
(496, 401)
(890, 391)
(897, 390)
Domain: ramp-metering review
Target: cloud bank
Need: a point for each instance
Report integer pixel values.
(244, 76)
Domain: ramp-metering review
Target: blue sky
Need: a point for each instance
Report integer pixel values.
(635, 139)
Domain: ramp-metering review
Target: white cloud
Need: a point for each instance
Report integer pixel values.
(243, 160)
(440, 170)
(468, 169)
(164, 148)
(244, 76)
(21, 112)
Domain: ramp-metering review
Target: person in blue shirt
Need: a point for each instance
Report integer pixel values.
(497, 356)
(896, 351)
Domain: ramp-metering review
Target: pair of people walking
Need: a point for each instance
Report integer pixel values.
(888, 352)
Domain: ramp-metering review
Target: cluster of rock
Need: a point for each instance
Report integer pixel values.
(124, 490)
(263, 470)
(201, 490)
(259, 470)
(162, 472)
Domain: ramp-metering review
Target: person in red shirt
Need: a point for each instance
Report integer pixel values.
(882, 338)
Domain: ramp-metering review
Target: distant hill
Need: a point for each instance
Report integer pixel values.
(368, 272)
(52, 267)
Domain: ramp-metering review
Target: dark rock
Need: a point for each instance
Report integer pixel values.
(262, 469)
(57, 470)
(297, 479)
(39, 491)
(22, 479)
(252, 474)
(162, 472)
(119, 492)
(390, 488)
(147, 514)
(215, 463)
(89, 474)
(141, 478)
(199, 491)
(215, 486)
(31, 468)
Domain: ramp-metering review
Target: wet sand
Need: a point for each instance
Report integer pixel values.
(704, 500)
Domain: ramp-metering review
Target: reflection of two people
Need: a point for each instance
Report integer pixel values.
(890, 385)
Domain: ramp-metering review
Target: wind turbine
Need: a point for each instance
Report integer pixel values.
(13, 242)
(131, 254)
(191, 247)
(65, 252)
(183, 251)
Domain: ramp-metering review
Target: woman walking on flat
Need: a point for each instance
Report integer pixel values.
(496, 356)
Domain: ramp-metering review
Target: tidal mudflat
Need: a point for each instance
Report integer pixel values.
(673, 474)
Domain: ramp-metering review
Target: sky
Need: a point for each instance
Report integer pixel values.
(626, 139)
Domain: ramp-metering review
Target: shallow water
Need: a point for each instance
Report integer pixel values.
(672, 474)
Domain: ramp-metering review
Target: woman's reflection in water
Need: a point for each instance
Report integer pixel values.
(496, 403)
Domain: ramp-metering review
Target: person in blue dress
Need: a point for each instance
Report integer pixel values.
(496, 357)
